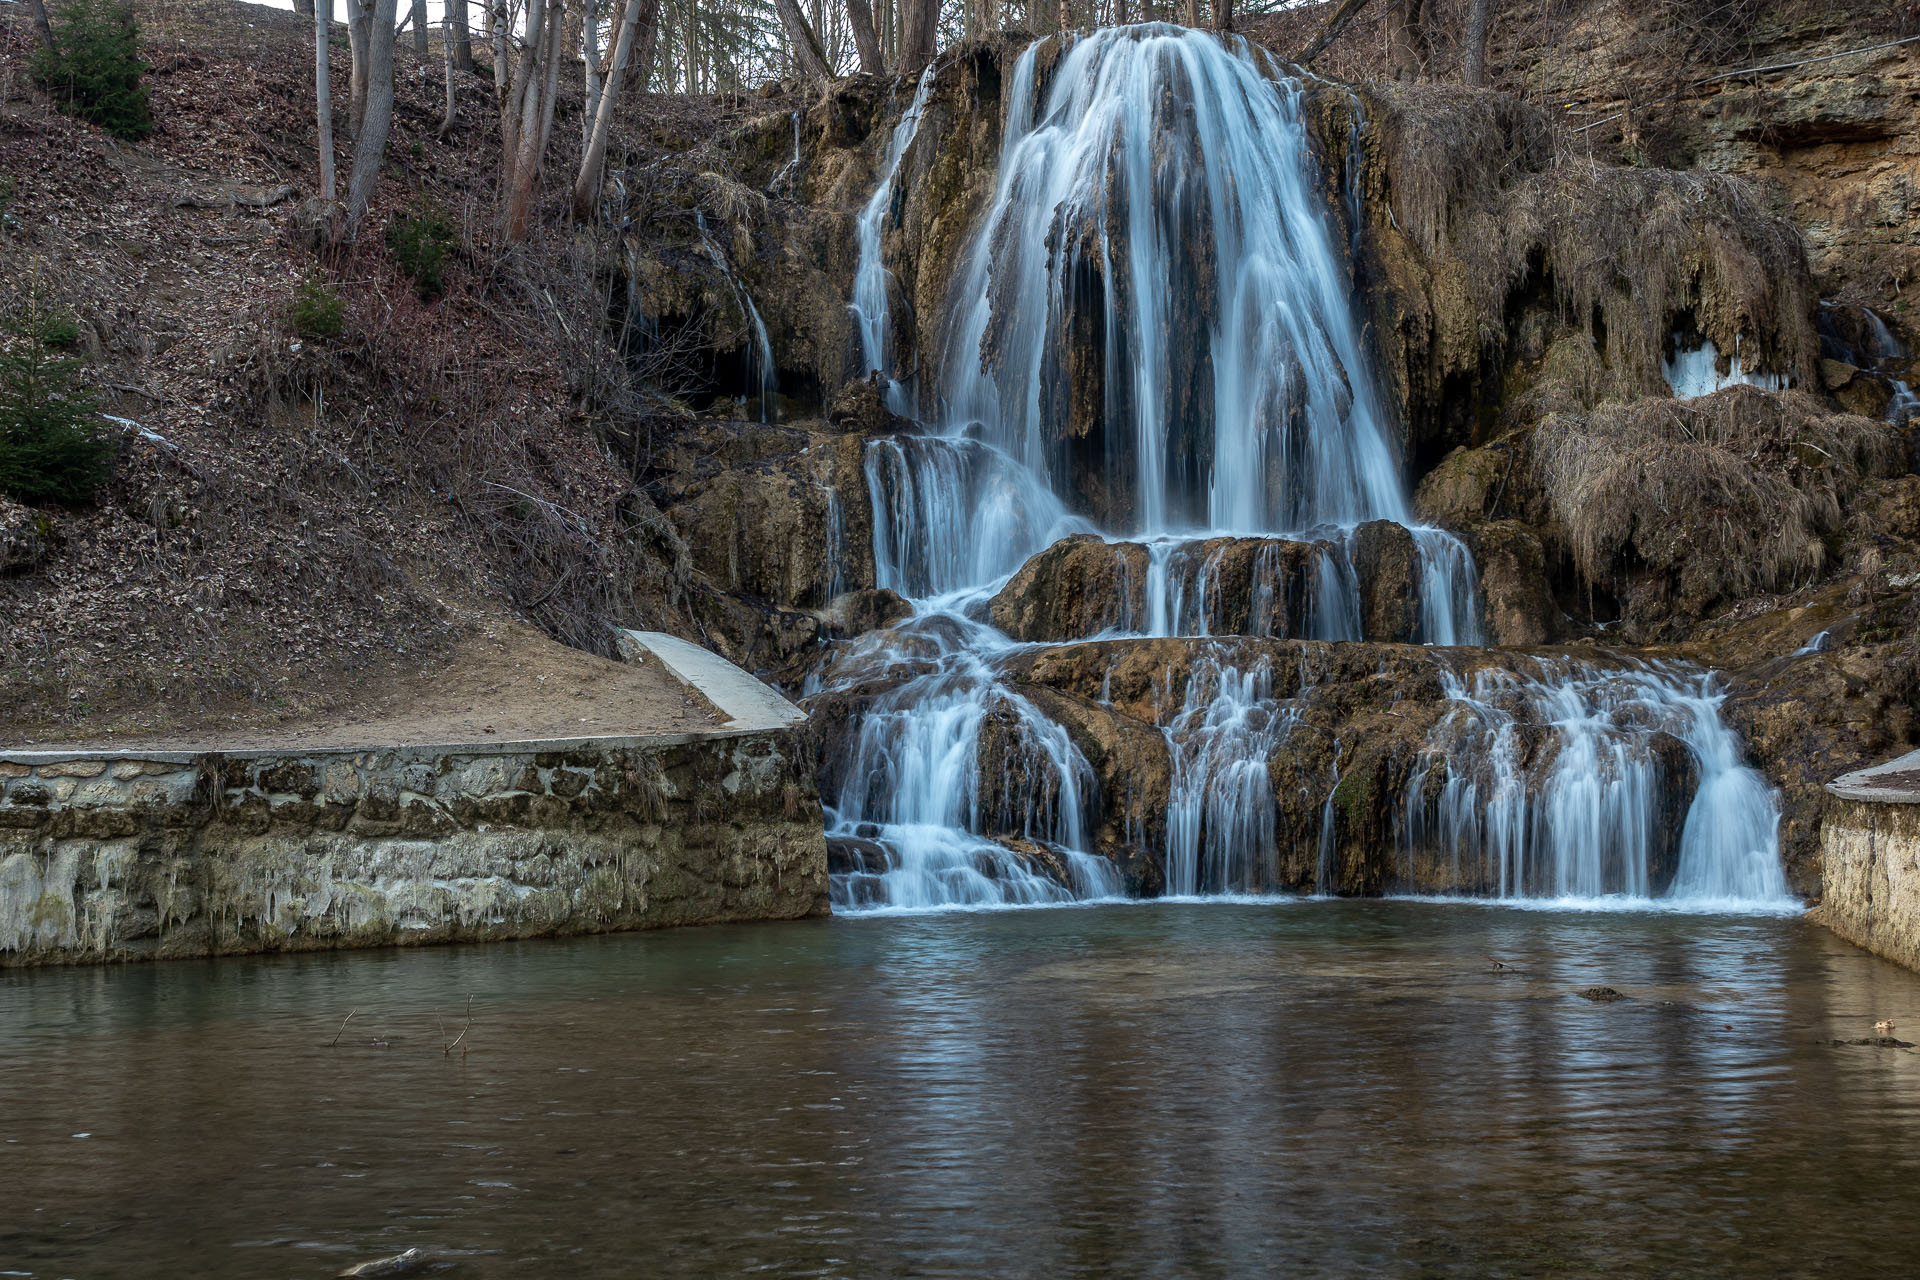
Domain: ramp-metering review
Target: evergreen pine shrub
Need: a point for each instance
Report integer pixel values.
(420, 240)
(52, 448)
(318, 312)
(94, 71)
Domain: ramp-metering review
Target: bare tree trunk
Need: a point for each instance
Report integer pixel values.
(1348, 10)
(1223, 15)
(1407, 39)
(693, 52)
(452, 117)
(460, 36)
(531, 101)
(420, 46)
(498, 20)
(586, 188)
(359, 37)
(370, 145)
(590, 67)
(1478, 15)
(323, 108)
(860, 19)
(557, 44)
(919, 31)
(808, 57)
(1193, 13)
(41, 25)
(646, 42)
(303, 8)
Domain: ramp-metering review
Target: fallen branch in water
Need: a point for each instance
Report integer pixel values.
(463, 1032)
(343, 1027)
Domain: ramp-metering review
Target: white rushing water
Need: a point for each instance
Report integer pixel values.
(871, 277)
(1158, 190)
(1579, 815)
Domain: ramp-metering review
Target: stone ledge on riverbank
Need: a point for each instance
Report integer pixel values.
(110, 855)
(1870, 850)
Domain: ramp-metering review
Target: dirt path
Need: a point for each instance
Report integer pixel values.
(507, 682)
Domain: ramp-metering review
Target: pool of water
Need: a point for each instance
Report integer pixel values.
(1150, 1090)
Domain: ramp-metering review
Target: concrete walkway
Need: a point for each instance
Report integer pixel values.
(1895, 782)
(748, 704)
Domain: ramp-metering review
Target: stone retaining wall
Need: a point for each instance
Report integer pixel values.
(149, 855)
(1871, 855)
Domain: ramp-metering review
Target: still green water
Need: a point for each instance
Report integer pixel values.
(1311, 1088)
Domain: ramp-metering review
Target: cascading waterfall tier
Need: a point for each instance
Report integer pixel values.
(1154, 345)
(1561, 784)
(1160, 196)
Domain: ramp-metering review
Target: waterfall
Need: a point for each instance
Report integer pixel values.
(1151, 146)
(869, 305)
(916, 784)
(1220, 815)
(1153, 340)
(762, 362)
(1885, 354)
(1554, 786)
(952, 514)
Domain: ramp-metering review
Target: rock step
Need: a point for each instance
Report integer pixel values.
(1083, 586)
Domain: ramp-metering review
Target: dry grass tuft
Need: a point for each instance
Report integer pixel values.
(1714, 499)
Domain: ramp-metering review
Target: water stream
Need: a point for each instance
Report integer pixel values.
(1154, 343)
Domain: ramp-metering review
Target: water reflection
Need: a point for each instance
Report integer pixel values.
(1159, 1090)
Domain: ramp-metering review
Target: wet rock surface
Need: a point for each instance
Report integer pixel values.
(1083, 586)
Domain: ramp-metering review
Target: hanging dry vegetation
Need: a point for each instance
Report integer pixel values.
(1679, 506)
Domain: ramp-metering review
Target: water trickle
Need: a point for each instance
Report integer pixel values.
(870, 279)
(761, 361)
(788, 178)
(1355, 174)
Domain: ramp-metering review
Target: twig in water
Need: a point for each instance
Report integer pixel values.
(343, 1027)
(463, 1032)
